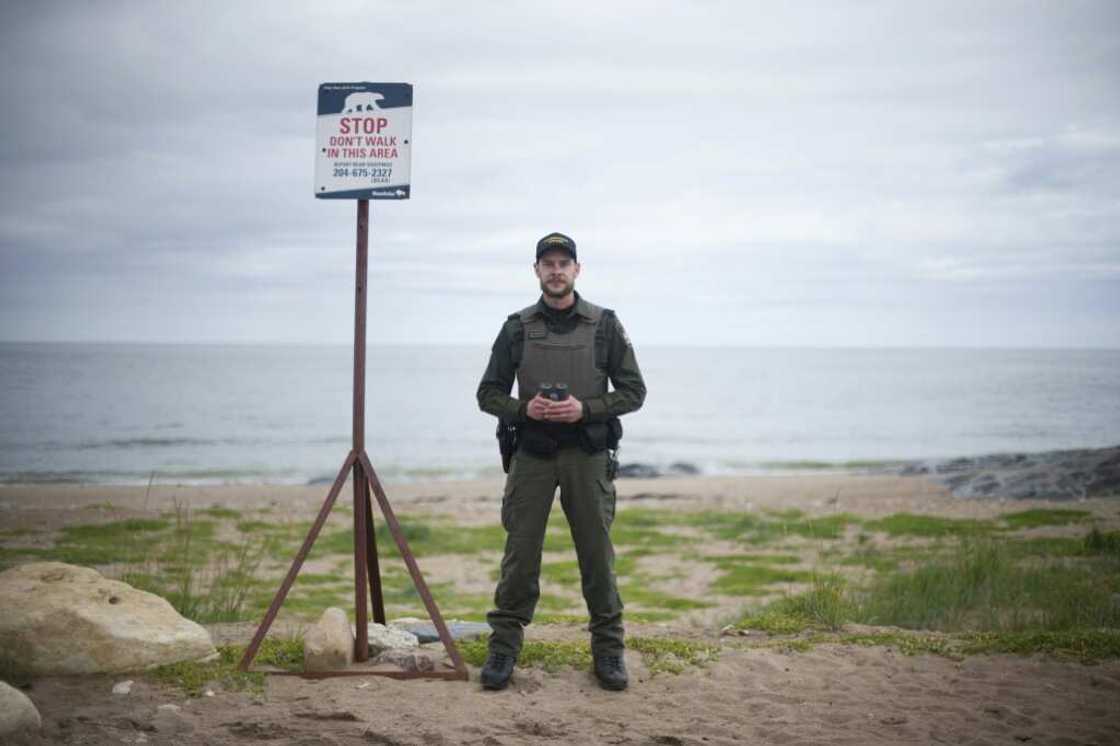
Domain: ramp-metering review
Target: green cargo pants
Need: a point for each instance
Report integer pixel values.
(588, 499)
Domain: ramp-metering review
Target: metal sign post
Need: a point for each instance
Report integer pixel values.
(364, 138)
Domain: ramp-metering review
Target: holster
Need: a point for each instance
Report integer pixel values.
(602, 436)
(507, 442)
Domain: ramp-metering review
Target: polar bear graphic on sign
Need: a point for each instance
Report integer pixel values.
(362, 101)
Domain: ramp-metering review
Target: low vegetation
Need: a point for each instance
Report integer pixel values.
(1038, 580)
(194, 677)
(987, 593)
(659, 654)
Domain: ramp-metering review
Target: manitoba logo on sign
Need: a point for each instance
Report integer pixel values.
(363, 141)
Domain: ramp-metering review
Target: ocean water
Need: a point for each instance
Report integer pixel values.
(117, 413)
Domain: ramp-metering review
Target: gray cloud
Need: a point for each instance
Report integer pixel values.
(807, 173)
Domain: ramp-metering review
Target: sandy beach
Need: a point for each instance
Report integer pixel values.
(829, 693)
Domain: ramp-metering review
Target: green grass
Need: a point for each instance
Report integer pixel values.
(982, 587)
(204, 580)
(642, 595)
(669, 655)
(256, 527)
(750, 528)
(423, 539)
(564, 572)
(551, 656)
(980, 584)
(321, 578)
(660, 654)
(824, 606)
(739, 579)
(909, 524)
(754, 559)
(1086, 645)
(218, 511)
(1104, 544)
(885, 559)
(1044, 517)
(194, 677)
(105, 543)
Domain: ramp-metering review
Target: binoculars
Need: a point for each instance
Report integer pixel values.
(553, 391)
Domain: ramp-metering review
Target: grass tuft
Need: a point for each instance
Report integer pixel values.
(669, 655)
(203, 580)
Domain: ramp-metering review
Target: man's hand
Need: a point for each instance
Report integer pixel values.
(546, 410)
(537, 408)
(569, 410)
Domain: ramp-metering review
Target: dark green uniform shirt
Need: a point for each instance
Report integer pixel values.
(613, 352)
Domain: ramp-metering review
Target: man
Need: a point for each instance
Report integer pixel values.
(566, 443)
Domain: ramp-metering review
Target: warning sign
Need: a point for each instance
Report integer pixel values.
(363, 141)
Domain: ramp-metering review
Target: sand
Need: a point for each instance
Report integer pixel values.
(832, 694)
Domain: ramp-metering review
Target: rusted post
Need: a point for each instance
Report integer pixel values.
(362, 521)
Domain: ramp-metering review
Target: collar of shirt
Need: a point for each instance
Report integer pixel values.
(551, 314)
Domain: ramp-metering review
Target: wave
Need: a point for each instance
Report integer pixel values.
(164, 442)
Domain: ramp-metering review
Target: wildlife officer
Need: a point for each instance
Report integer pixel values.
(566, 439)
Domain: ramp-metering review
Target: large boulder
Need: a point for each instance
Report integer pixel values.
(329, 645)
(63, 619)
(17, 713)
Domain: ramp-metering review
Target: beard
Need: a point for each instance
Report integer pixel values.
(564, 288)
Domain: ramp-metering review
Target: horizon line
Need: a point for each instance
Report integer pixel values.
(468, 345)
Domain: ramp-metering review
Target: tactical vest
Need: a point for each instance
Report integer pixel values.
(547, 357)
(569, 358)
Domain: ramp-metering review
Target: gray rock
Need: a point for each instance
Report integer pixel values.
(71, 620)
(329, 644)
(406, 660)
(17, 712)
(638, 471)
(386, 638)
(426, 631)
(1052, 475)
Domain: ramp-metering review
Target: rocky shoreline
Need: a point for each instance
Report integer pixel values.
(1052, 475)
(1075, 474)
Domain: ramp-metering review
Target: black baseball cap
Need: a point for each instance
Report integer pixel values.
(554, 241)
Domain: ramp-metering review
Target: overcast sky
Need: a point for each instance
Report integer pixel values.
(734, 174)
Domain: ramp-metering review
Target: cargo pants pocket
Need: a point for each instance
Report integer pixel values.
(507, 507)
(606, 501)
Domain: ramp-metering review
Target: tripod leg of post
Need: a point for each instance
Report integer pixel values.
(361, 553)
(376, 597)
(297, 563)
(413, 568)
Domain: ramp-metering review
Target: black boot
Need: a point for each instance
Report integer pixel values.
(497, 670)
(611, 672)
